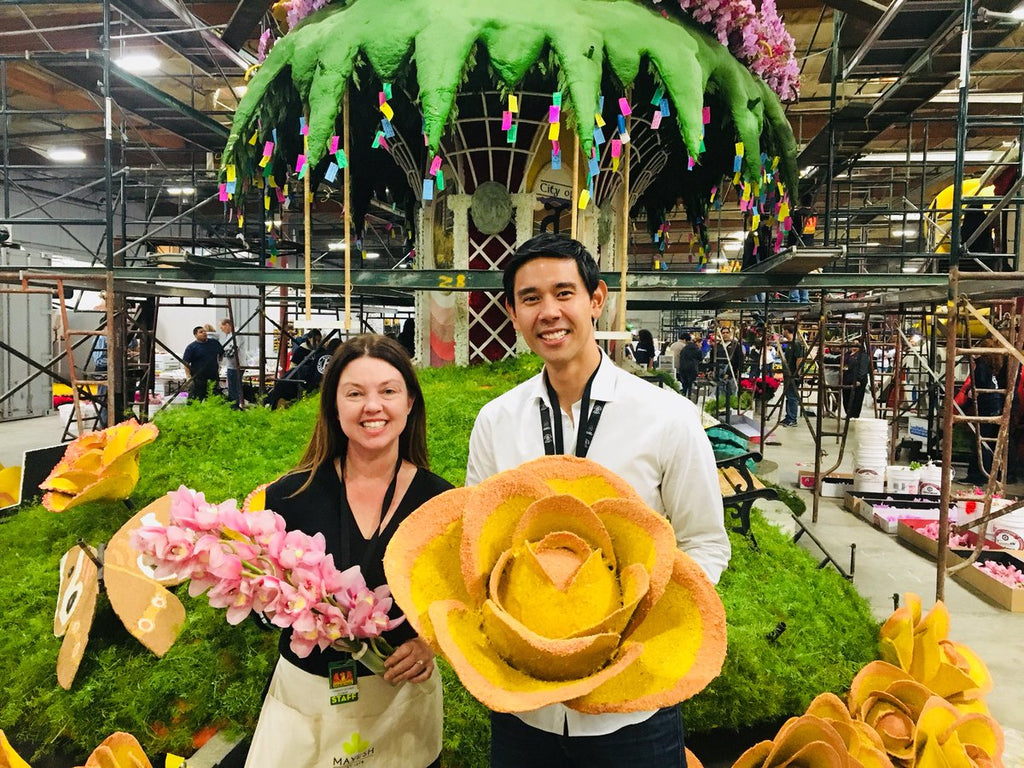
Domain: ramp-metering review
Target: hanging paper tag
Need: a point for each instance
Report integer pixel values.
(435, 165)
(556, 98)
(506, 119)
(553, 130)
(387, 111)
(513, 103)
(554, 113)
(440, 180)
(343, 681)
(656, 120)
(428, 189)
(659, 92)
(387, 90)
(584, 199)
(624, 107)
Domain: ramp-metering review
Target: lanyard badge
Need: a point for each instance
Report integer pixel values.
(342, 681)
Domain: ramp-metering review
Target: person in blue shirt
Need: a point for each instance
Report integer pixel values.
(202, 363)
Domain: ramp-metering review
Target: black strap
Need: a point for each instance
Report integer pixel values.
(374, 542)
(554, 442)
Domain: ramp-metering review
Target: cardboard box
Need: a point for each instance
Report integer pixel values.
(1010, 598)
(911, 506)
(835, 487)
(805, 480)
(909, 530)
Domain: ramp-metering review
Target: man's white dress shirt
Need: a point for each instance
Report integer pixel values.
(653, 439)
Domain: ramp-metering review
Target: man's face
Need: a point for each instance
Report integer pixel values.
(225, 327)
(727, 334)
(787, 335)
(553, 309)
(201, 334)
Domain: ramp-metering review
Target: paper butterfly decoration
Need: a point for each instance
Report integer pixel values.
(148, 610)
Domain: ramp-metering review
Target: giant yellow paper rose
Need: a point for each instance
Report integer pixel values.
(98, 465)
(554, 582)
(807, 741)
(921, 648)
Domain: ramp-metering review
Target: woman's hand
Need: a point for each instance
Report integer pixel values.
(412, 660)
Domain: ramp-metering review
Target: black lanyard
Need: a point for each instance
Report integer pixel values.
(374, 542)
(554, 442)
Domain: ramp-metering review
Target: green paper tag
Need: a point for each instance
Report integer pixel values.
(342, 680)
(556, 98)
(387, 90)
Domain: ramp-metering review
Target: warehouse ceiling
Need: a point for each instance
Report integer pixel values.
(893, 127)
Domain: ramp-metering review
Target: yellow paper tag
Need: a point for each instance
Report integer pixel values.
(173, 761)
(387, 111)
(513, 103)
(739, 148)
(553, 130)
(599, 120)
(230, 172)
(252, 139)
(584, 199)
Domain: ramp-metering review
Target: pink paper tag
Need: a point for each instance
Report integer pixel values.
(624, 107)
(300, 163)
(223, 193)
(334, 144)
(554, 113)
(506, 120)
(706, 115)
(556, 147)
(616, 148)
(268, 149)
(656, 120)
(381, 98)
(435, 165)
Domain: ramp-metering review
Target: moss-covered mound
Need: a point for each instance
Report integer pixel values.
(215, 674)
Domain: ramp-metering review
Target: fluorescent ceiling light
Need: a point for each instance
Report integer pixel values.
(804, 172)
(904, 233)
(944, 156)
(66, 155)
(181, 191)
(337, 245)
(371, 255)
(1018, 12)
(950, 96)
(138, 63)
(908, 216)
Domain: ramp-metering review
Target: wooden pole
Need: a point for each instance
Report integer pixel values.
(624, 256)
(307, 245)
(573, 207)
(348, 215)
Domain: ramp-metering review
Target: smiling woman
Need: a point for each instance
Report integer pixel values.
(364, 471)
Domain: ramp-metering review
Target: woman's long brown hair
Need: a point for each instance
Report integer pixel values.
(329, 441)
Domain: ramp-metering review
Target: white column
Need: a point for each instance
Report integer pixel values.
(459, 205)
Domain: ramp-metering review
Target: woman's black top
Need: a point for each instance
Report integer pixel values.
(321, 509)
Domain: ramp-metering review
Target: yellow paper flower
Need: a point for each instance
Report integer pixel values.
(807, 741)
(10, 485)
(8, 757)
(554, 582)
(948, 738)
(890, 701)
(921, 648)
(119, 750)
(98, 465)
(862, 741)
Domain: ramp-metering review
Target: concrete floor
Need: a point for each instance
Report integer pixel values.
(884, 566)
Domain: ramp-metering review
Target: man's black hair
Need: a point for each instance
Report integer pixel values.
(197, 329)
(546, 245)
(685, 336)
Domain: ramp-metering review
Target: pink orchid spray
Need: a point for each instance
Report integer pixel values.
(248, 561)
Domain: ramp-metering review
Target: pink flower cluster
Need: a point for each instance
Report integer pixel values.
(758, 39)
(958, 540)
(247, 561)
(1010, 575)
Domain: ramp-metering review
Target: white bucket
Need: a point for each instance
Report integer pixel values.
(868, 483)
(902, 479)
(931, 479)
(1007, 531)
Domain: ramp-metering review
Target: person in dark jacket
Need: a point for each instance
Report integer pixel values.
(727, 361)
(689, 364)
(303, 378)
(645, 354)
(856, 373)
(202, 363)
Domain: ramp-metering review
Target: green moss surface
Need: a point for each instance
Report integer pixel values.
(215, 674)
(316, 62)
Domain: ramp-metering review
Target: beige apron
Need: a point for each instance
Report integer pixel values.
(388, 726)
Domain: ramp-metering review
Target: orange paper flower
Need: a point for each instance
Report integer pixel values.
(921, 648)
(807, 741)
(98, 465)
(119, 750)
(554, 582)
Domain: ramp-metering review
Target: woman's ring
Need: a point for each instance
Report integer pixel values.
(420, 662)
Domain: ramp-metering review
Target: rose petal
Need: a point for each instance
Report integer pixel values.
(492, 511)
(684, 640)
(495, 683)
(586, 480)
(543, 657)
(422, 560)
(563, 512)
(640, 537)
(8, 757)
(119, 750)
(634, 583)
(522, 588)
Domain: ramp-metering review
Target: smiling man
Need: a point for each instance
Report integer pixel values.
(584, 405)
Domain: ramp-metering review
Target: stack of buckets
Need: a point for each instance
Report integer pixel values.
(871, 455)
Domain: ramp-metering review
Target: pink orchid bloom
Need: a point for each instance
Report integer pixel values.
(294, 547)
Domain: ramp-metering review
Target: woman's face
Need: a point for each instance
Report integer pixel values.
(373, 403)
